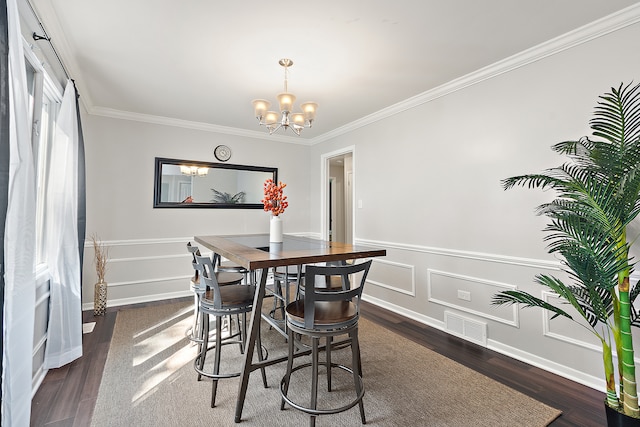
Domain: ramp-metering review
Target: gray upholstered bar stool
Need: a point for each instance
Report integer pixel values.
(326, 314)
(220, 301)
(224, 278)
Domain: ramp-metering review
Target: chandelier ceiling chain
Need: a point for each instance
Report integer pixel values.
(296, 121)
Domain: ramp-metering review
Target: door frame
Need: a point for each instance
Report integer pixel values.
(324, 189)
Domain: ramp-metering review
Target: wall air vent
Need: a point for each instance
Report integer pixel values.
(463, 327)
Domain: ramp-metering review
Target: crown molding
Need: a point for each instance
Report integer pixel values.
(591, 31)
(207, 127)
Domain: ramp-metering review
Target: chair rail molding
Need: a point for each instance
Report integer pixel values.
(479, 256)
(137, 242)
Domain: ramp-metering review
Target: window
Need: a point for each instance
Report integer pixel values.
(44, 103)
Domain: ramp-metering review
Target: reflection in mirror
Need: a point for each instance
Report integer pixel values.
(193, 184)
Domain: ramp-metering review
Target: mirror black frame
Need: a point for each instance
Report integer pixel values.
(157, 184)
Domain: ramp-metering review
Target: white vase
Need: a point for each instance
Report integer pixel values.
(275, 229)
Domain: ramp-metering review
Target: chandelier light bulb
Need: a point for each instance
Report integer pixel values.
(260, 107)
(309, 111)
(271, 118)
(286, 101)
(298, 119)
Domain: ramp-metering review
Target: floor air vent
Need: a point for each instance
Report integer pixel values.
(466, 328)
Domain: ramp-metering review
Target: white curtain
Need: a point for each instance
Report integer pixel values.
(64, 335)
(19, 242)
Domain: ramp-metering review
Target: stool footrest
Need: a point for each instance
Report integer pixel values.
(322, 411)
(204, 373)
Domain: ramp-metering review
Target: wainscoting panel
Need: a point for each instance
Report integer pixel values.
(560, 328)
(469, 294)
(140, 271)
(563, 329)
(391, 275)
(131, 270)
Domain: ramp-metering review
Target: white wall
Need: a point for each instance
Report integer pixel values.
(429, 182)
(147, 245)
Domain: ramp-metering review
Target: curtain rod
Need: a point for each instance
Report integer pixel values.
(38, 37)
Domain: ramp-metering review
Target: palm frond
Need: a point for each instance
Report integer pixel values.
(541, 181)
(596, 302)
(222, 197)
(617, 115)
(526, 300)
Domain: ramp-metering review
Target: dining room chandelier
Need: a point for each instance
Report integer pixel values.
(286, 119)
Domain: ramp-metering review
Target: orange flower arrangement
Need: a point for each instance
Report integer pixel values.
(274, 199)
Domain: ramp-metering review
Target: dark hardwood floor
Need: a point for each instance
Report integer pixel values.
(67, 395)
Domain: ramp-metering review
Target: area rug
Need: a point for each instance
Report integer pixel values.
(149, 380)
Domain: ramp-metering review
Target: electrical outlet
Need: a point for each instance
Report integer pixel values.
(464, 295)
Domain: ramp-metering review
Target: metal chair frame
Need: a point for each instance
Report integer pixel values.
(227, 278)
(308, 317)
(220, 301)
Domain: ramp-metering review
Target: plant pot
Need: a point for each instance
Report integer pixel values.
(100, 299)
(618, 419)
(275, 230)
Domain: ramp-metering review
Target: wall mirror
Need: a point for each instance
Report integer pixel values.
(195, 184)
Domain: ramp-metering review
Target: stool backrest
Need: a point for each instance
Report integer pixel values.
(207, 272)
(194, 251)
(346, 293)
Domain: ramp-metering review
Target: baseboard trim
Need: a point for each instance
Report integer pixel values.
(567, 372)
(140, 299)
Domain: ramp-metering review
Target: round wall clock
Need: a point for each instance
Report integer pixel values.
(222, 153)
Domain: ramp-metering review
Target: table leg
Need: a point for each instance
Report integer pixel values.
(254, 328)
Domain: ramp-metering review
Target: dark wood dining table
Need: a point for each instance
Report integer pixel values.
(255, 253)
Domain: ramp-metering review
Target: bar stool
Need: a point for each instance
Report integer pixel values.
(329, 284)
(220, 301)
(325, 314)
(224, 278)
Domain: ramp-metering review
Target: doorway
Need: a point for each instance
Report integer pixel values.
(337, 198)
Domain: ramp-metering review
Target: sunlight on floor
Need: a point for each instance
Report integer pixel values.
(167, 321)
(87, 328)
(163, 337)
(162, 372)
(160, 351)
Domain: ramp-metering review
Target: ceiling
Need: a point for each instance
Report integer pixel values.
(200, 62)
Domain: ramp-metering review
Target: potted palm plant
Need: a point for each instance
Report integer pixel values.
(597, 197)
